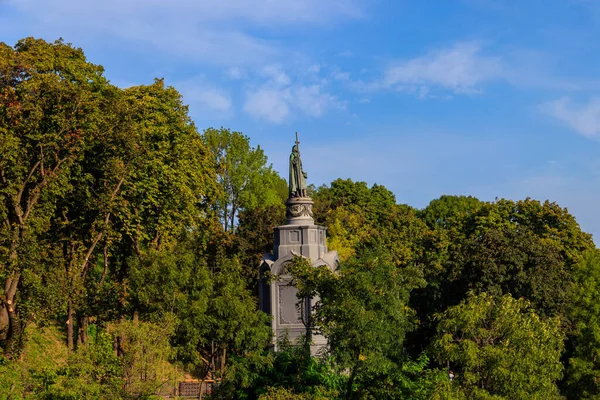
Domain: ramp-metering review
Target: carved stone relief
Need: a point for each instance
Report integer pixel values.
(299, 210)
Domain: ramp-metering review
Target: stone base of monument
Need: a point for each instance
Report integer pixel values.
(298, 237)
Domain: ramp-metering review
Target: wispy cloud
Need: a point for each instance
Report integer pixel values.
(276, 75)
(281, 12)
(279, 97)
(204, 98)
(467, 67)
(340, 75)
(269, 103)
(208, 31)
(346, 54)
(235, 73)
(583, 118)
(462, 68)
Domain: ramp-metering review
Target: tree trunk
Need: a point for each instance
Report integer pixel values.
(4, 321)
(13, 332)
(201, 387)
(223, 356)
(351, 382)
(119, 340)
(233, 212)
(8, 315)
(82, 334)
(105, 271)
(70, 345)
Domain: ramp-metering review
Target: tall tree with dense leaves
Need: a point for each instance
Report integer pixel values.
(171, 183)
(52, 104)
(363, 312)
(499, 348)
(146, 183)
(523, 248)
(582, 380)
(361, 218)
(254, 237)
(217, 315)
(244, 175)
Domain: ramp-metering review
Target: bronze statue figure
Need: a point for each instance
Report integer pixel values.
(297, 182)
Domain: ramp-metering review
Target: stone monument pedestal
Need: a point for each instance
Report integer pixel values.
(299, 236)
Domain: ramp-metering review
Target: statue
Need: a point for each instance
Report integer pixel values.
(297, 182)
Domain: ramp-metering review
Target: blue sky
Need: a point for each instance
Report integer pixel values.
(491, 98)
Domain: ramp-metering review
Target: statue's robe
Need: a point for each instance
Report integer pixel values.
(297, 181)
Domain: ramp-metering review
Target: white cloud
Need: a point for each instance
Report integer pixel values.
(209, 97)
(203, 97)
(235, 73)
(269, 104)
(466, 67)
(279, 98)
(460, 69)
(583, 118)
(313, 101)
(280, 12)
(276, 74)
(339, 75)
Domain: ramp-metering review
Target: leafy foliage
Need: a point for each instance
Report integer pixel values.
(363, 313)
(583, 367)
(244, 175)
(500, 348)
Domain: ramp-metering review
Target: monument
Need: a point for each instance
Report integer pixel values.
(299, 236)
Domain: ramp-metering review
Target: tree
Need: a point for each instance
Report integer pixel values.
(217, 317)
(172, 181)
(146, 356)
(582, 380)
(254, 238)
(498, 347)
(52, 104)
(145, 183)
(525, 248)
(246, 179)
(290, 373)
(363, 313)
(360, 218)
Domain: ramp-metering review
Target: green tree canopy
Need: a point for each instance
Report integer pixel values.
(363, 312)
(246, 179)
(499, 348)
(53, 105)
(582, 379)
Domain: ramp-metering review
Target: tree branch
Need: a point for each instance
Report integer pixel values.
(106, 221)
(38, 189)
(105, 253)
